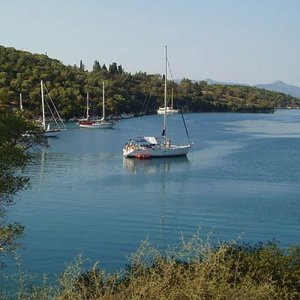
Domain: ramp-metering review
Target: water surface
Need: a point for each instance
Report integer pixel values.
(240, 180)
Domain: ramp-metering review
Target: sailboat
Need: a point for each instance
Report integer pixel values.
(47, 130)
(168, 109)
(87, 118)
(102, 123)
(150, 146)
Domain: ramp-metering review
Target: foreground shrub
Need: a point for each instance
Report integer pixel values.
(195, 270)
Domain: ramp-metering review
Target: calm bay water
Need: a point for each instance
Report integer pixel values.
(241, 179)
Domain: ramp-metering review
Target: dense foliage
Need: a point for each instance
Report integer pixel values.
(18, 134)
(196, 270)
(21, 72)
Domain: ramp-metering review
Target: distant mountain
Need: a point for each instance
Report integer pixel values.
(211, 81)
(277, 86)
(281, 87)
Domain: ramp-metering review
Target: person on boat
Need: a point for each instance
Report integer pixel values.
(168, 143)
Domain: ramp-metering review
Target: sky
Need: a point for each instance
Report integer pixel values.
(238, 41)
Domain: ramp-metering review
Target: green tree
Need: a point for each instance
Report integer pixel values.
(96, 66)
(104, 67)
(113, 69)
(81, 66)
(18, 134)
(120, 70)
(21, 72)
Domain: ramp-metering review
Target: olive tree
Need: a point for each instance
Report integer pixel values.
(18, 134)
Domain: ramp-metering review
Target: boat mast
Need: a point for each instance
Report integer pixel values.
(87, 106)
(21, 102)
(43, 105)
(103, 102)
(165, 100)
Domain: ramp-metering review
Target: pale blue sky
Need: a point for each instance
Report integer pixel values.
(241, 41)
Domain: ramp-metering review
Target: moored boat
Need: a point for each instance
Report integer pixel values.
(102, 123)
(60, 126)
(150, 146)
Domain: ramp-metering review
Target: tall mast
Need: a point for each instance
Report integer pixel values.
(103, 102)
(87, 106)
(165, 100)
(21, 102)
(43, 105)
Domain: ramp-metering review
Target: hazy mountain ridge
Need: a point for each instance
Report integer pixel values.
(276, 86)
(281, 87)
(211, 81)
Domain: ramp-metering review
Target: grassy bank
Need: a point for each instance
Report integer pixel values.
(195, 270)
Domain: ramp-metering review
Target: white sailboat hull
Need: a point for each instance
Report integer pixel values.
(167, 110)
(96, 124)
(157, 151)
(51, 132)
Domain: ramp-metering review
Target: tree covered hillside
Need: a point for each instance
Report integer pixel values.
(21, 72)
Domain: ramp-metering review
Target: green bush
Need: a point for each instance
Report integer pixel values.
(195, 270)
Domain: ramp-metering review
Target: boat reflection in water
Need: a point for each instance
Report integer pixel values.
(157, 165)
(162, 170)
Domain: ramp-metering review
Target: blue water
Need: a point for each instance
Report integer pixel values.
(241, 180)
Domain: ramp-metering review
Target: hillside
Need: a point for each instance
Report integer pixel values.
(21, 72)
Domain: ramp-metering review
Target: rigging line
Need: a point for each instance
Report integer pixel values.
(51, 112)
(149, 97)
(139, 117)
(53, 105)
(186, 130)
(173, 81)
(169, 67)
(54, 108)
(144, 108)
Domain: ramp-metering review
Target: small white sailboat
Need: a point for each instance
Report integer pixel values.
(150, 146)
(47, 130)
(86, 122)
(87, 110)
(127, 115)
(167, 110)
(102, 123)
